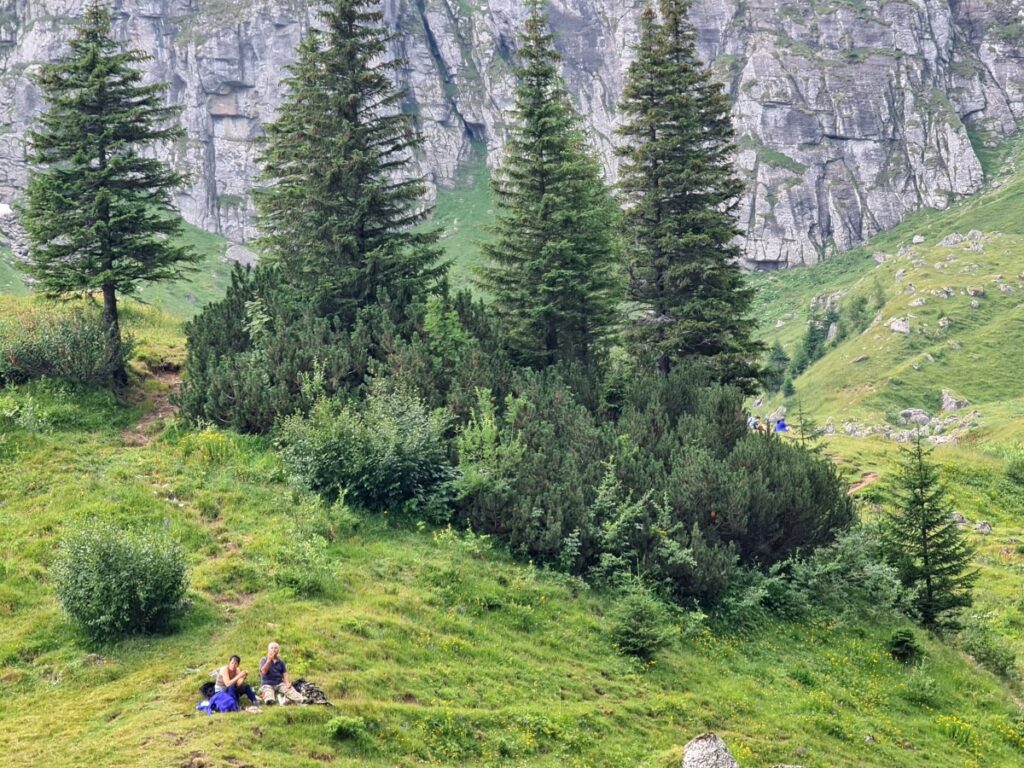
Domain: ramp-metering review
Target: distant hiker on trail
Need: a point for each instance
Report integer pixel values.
(232, 680)
(781, 425)
(274, 680)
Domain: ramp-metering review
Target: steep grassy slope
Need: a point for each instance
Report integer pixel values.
(975, 352)
(463, 214)
(450, 652)
(968, 344)
(182, 299)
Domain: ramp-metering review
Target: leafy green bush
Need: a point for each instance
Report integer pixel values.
(904, 647)
(530, 474)
(920, 688)
(344, 727)
(640, 623)
(849, 576)
(58, 341)
(988, 648)
(303, 564)
(387, 454)
(114, 582)
(1015, 466)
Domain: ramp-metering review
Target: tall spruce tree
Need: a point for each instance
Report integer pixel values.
(680, 191)
(924, 543)
(337, 214)
(553, 272)
(98, 213)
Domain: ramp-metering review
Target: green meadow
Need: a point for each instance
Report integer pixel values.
(435, 646)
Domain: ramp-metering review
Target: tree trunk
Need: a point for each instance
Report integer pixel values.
(120, 375)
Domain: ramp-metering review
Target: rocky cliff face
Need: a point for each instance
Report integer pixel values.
(850, 113)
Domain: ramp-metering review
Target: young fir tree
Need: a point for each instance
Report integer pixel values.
(680, 191)
(923, 541)
(98, 213)
(553, 272)
(337, 215)
(775, 371)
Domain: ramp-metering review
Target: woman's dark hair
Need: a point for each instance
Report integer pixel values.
(236, 658)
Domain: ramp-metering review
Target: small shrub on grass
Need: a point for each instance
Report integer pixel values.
(345, 728)
(303, 565)
(388, 455)
(989, 649)
(113, 582)
(640, 624)
(904, 647)
(1015, 466)
(59, 342)
(921, 689)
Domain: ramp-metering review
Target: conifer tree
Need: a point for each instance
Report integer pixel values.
(98, 213)
(775, 371)
(680, 191)
(337, 214)
(924, 543)
(553, 272)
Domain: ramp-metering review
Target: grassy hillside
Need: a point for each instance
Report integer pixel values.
(448, 651)
(974, 352)
(182, 299)
(439, 647)
(965, 343)
(463, 215)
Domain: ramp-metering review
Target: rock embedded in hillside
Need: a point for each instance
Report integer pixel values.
(860, 359)
(880, 257)
(915, 416)
(899, 325)
(240, 255)
(943, 322)
(952, 403)
(911, 288)
(833, 331)
(708, 751)
(917, 302)
(975, 304)
(954, 238)
(917, 239)
(1005, 288)
(984, 527)
(959, 519)
(978, 292)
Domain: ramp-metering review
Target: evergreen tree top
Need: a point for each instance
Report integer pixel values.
(338, 212)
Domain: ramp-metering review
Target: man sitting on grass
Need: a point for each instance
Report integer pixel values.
(274, 678)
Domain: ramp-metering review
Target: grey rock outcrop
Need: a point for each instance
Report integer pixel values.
(951, 402)
(708, 751)
(848, 115)
(899, 325)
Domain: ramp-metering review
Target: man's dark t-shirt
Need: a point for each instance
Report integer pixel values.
(275, 673)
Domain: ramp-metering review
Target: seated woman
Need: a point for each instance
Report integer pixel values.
(231, 679)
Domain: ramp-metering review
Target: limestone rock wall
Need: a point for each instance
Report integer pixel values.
(850, 113)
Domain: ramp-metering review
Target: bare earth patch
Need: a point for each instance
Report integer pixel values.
(142, 433)
(865, 480)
